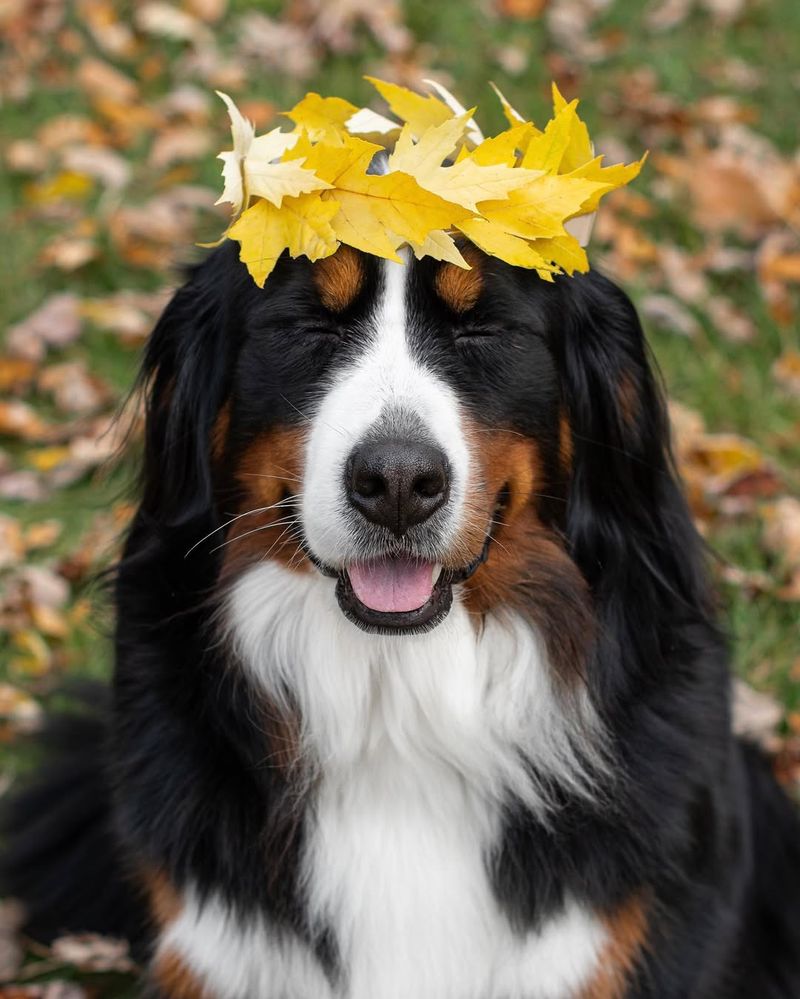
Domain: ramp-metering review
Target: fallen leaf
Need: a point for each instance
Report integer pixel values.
(666, 312)
(756, 716)
(73, 388)
(18, 419)
(91, 952)
(179, 145)
(730, 322)
(32, 656)
(56, 323)
(102, 80)
(782, 530)
(43, 534)
(786, 371)
(12, 543)
(25, 715)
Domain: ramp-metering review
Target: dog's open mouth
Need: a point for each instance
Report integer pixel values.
(401, 594)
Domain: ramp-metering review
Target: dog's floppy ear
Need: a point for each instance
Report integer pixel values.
(184, 376)
(628, 524)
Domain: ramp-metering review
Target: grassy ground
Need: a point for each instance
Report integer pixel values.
(731, 384)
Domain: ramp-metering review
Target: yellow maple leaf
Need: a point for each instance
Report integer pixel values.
(417, 111)
(378, 213)
(611, 177)
(565, 252)
(546, 151)
(506, 147)
(441, 246)
(465, 182)
(301, 225)
(252, 167)
(579, 149)
(322, 117)
(538, 210)
(514, 250)
(513, 117)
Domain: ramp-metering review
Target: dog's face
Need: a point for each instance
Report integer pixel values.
(393, 426)
(405, 429)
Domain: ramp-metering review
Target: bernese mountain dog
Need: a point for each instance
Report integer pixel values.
(419, 692)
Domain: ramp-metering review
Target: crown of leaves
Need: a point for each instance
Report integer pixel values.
(527, 196)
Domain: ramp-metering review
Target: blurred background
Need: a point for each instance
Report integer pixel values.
(109, 129)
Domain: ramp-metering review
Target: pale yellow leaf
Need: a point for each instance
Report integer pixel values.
(513, 117)
(611, 177)
(417, 111)
(378, 212)
(466, 182)
(441, 246)
(322, 117)
(473, 133)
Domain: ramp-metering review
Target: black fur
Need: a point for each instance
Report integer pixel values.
(693, 824)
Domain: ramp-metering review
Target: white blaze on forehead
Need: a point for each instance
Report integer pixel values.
(387, 377)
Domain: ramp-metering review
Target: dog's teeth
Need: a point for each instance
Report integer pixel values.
(437, 571)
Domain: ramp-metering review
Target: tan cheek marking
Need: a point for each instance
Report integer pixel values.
(175, 979)
(459, 288)
(628, 400)
(528, 566)
(339, 278)
(164, 900)
(219, 432)
(565, 449)
(268, 470)
(627, 929)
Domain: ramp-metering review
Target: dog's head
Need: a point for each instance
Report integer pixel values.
(415, 429)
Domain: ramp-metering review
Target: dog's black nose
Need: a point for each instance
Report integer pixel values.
(397, 483)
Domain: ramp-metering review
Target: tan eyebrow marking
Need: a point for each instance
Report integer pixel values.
(460, 289)
(339, 278)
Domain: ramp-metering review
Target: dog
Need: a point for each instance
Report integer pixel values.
(419, 691)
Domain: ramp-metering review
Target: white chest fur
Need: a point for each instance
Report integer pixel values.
(416, 740)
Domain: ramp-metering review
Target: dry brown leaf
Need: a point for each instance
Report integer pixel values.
(56, 323)
(20, 709)
(102, 80)
(782, 530)
(69, 253)
(166, 21)
(207, 10)
(73, 388)
(112, 170)
(12, 543)
(18, 419)
(43, 534)
(32, 656)
(667, 313)
(284, 47)
(42, 586)
(756, 715)
(16, 374)
(521, 10)
(91, 952)
(23, 485)
(113, 36)
(26, 156)
(682, 275)
(730, 322)
(786, 371)
(179, 144)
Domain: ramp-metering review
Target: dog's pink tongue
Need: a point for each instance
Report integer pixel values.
(392, 584)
